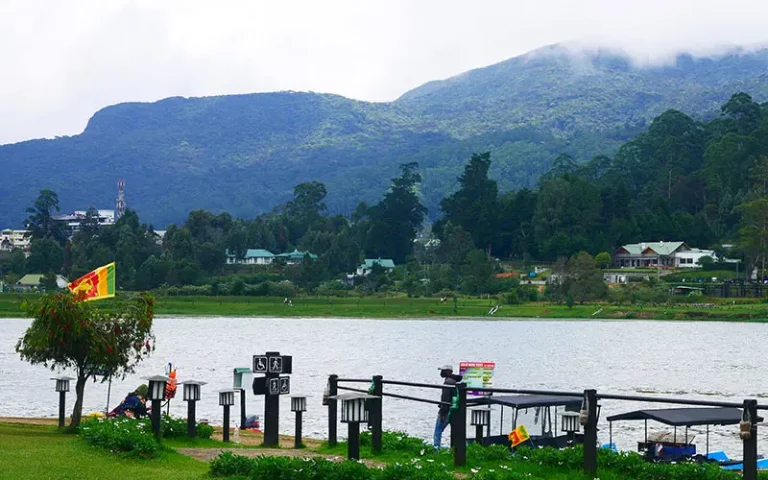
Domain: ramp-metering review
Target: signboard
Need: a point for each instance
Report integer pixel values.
(274, 386)
(259, 385)
(285, 385)
(477, 375)
(275, 364)
(259, 364)
(519, 435)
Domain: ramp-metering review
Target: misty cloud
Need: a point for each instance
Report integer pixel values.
(62, 61)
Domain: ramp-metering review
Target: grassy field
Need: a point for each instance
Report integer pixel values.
(428, 308)
(33, 451)
(37, 452)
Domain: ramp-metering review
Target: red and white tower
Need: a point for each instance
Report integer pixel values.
(120, 210)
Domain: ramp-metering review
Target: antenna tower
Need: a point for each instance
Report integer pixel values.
(120, 210)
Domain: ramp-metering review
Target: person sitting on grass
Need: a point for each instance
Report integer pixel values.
(133, 405)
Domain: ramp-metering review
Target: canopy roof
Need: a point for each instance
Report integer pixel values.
(685, 416)
(530, 401)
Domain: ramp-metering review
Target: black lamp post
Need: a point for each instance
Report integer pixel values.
(62, 386)
(353, 413)
(226, 400)
(157, 395)
(481, 419)
(191, 396)
(298, 405)
(571, 424)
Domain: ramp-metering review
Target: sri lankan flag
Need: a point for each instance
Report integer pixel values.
(95, 285)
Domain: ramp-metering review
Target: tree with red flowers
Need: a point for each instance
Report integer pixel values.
(68, 333)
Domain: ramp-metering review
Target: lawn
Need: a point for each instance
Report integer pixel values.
(38, 452)
(427, 308)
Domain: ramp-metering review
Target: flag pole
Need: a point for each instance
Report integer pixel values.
(109, 392)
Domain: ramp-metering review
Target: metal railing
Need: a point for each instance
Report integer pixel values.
(589, 415)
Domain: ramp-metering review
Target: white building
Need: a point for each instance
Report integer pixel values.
(253, 256)
(11, 239)
(661, 254)
(72, 220)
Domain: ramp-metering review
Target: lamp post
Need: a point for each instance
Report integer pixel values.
(191, 396)
(157, 395)
(62, 386)
(226, 400)
(353, 413)
(481, 419)
(298, 405)
(571, 424)
(239, 383)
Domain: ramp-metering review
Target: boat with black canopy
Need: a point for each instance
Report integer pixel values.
(547, 409)
(675, 446)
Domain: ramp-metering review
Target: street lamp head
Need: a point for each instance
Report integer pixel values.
(298, 403)
(239, 374)
(157, 386)
(192, 390)
(570, 422)
(480, 416)
(353, 406)
(226, 397)
(62, 383)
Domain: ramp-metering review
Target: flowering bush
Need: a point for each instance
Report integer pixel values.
(177, 428)
(135, 437)
(120, 435)
(272, 468)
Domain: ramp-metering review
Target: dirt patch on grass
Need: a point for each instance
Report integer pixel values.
(31, 421)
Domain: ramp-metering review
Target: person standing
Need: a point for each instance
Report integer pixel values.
(446, 398)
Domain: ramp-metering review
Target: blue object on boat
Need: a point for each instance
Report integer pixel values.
(610, 446)
(719, 456)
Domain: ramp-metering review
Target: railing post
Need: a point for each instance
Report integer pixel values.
(589, 420)
(748, 432)
(459, 425)
(333, 383)
(376, 414)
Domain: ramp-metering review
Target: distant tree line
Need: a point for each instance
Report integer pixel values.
(705, 183)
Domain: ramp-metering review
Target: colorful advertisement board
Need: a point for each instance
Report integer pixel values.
(477, 375)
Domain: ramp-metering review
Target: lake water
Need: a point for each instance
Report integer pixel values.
(715, 361)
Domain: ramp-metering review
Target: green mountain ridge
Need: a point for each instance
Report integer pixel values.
(244, 153)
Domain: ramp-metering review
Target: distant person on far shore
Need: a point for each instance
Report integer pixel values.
(443, 413)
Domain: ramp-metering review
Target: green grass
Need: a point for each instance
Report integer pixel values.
(37, 452)
(429, 308)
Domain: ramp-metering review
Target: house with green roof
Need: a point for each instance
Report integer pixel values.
(34, 281)
(365, 268)
(660, 254)
(295, 256)
(253, 256)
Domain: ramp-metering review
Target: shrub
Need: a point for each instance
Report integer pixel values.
(177, 428)
(274, 468)
(120, 435)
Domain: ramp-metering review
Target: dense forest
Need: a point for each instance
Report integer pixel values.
(243, 154)
(705, 183)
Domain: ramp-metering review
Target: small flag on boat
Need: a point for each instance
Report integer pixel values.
(519, 435)
(95, 285)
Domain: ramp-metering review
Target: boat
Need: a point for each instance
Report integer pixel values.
(547, 409)
(675, 446)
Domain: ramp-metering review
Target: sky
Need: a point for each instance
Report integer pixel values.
(61, 61)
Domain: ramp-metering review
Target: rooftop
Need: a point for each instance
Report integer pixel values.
(382, 262)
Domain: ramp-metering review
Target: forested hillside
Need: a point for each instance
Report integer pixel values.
(704, 183)
(244, 153)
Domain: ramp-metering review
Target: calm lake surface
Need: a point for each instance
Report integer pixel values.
(716, 361)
